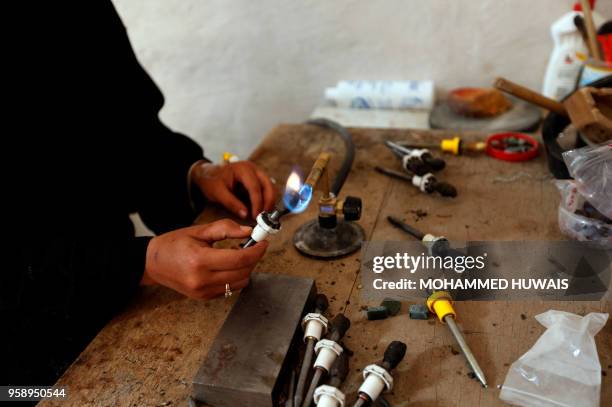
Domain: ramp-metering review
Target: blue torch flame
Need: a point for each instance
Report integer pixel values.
(297, 198)
(300, 203)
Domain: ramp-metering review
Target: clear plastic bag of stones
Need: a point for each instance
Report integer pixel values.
(578, 218)
(591, 168)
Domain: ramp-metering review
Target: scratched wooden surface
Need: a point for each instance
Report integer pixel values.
(148, 355)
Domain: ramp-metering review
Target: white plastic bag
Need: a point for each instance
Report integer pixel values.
(591, 167)
(562, 368)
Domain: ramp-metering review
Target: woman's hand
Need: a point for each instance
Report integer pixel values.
(218, 182)
(185, 260)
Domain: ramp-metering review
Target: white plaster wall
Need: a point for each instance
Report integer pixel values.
(232, 69)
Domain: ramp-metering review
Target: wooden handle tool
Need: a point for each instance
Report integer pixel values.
(590, 29)
(529, 95)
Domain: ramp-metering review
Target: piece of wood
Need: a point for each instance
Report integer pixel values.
(148, 355)
(590, 110)
(591, 31)
(529, 95)
(581, 27)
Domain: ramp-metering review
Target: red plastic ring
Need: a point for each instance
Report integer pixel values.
(507, 156)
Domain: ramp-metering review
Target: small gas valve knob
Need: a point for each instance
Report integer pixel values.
(351, 209)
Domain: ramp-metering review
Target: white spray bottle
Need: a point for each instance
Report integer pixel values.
(564, 66)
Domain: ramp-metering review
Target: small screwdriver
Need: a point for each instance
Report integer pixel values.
(455, 146)
(441, 304)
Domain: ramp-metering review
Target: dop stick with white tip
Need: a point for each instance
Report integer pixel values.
(426, 183)
(267, 224)
(328, 350)
(416, 160)
(436, 245)
(329, 395)
(295, 199)
(377, 378)
(315, 326)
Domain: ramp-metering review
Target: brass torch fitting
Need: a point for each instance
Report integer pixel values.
(318, 171)
(319, 176)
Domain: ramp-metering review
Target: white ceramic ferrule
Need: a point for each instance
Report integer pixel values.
(314, 326)
(405, 160)
(327, 351)
(328, 396)
(376, 381)
(262, 229)
(418, 152)
(429, 238)
(421, 181)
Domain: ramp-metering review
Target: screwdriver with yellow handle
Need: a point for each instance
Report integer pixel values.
(455, 146)
(440, 303)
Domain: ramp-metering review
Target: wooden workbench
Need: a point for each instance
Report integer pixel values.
(149, 354)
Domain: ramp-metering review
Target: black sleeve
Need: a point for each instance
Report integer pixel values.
(90, 149)
(161, 158)
(57, 294)
(164, 197)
